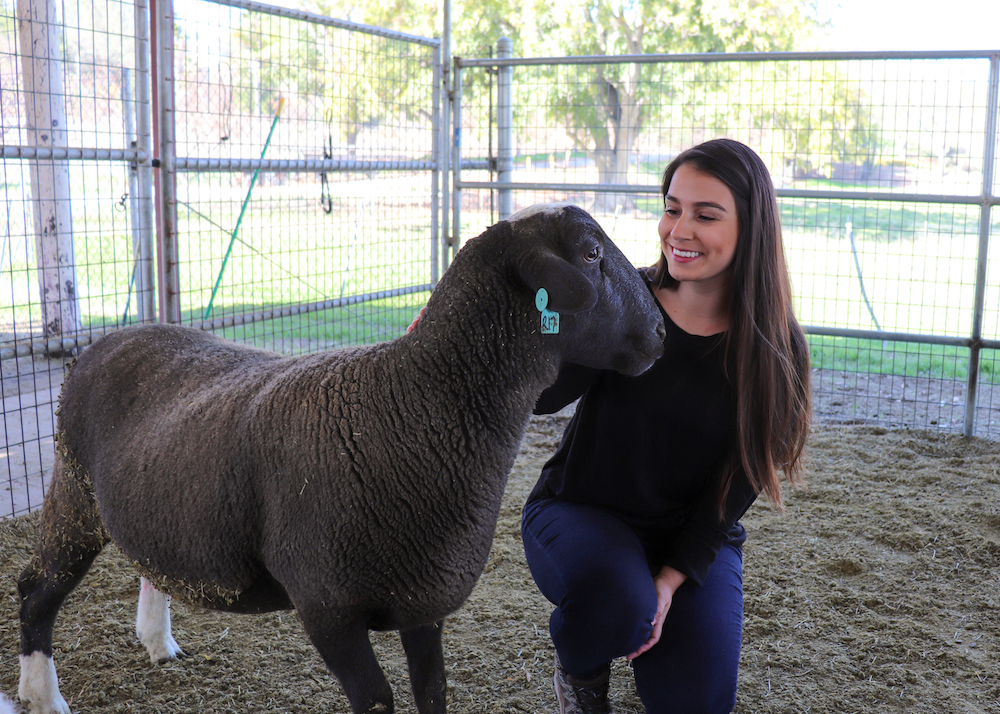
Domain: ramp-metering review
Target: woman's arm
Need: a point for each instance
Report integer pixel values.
(698, 543)
(572, 382)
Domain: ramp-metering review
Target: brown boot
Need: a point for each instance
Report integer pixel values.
(582, 697)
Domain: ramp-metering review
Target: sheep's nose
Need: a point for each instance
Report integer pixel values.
(661, 331)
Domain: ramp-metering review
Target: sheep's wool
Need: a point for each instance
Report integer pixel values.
(552, 209)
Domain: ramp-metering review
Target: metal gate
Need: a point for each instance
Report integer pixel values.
(268, 174)
(885, 166)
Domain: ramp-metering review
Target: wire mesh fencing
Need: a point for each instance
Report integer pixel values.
(285, 199)
(279, 177)
(70, 92)
(886, 171)
(292, 258)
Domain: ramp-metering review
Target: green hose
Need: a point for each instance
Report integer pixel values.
(236, 230)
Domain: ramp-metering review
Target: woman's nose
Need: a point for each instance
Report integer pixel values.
(681, 230)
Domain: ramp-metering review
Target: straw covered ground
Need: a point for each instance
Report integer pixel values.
(876, 592)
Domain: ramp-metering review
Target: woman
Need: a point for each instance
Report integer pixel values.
(633, 530)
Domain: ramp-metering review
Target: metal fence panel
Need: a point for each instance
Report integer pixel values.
(296, 91)
(71, 90)
(301, 171)
(885, 166)
(298, 232)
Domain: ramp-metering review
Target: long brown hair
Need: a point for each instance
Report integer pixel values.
(767, 358)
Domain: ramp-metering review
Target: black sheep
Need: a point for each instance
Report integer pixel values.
(360, 487)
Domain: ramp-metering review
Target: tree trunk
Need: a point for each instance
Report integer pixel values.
(624, 122)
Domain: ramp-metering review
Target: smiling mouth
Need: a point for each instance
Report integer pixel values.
(684, 253)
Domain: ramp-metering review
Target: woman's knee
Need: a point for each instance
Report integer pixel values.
(614, 607)
(593, 568)
(694, 667)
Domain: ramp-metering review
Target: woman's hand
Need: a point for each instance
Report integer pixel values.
(417, 319)
(666, 581)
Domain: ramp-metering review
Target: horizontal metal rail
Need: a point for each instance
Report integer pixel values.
(306, 308)
(782, 193)
(899, 337)
(65, 153)
(300, 165)
(716, 57)
(888, 196)
(28, 348)
(327, 21)
(567, 187)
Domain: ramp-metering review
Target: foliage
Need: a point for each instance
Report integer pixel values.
(605, 116)
(355, 80)
(822, 118)
(476, 27)
(604, 111)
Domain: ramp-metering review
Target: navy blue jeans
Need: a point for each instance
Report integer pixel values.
(593, 568)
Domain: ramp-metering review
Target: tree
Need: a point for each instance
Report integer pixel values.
(476, 25)
(606, 115)
(606, 107)
(354, 80)
(824, 118)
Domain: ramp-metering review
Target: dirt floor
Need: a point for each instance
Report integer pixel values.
(878, 591)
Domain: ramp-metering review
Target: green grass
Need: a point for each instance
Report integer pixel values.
(901, 359)
(917, 263)
(287, 252)
(879, 220)
(337, 327)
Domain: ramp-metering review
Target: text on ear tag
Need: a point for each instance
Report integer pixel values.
(550, 320)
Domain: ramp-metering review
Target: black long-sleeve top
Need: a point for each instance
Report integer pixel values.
(651, 450)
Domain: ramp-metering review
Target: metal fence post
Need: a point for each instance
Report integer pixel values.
(985, 212)
(162, 33)
(436, 151)
(140, 284)
(456, 199)
(443, 138)
(505, 129)
(145, 281)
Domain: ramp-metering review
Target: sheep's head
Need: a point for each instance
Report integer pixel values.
(606, 317)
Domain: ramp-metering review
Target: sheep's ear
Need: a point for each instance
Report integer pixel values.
(568, 288)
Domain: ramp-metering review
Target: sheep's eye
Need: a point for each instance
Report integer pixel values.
(593, 255)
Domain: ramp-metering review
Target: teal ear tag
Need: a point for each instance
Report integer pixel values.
(550, 320)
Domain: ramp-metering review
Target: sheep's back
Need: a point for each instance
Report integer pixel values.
(152, 415)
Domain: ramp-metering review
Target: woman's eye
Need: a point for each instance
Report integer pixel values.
(672, 212)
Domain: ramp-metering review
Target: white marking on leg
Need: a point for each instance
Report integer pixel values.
(39, 686)
(152, 624)
(6, 707)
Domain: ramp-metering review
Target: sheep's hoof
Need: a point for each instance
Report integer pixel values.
(164, 651)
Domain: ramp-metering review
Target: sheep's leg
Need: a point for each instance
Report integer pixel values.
(152, 624)
(71, 536)
(348, 653)
(425, 660)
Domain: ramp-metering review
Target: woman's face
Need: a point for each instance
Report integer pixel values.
(699, 228)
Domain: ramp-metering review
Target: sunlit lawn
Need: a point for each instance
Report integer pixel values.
(915, 264)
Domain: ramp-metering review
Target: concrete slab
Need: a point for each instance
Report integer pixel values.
(28, 450)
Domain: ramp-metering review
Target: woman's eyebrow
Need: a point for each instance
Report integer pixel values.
(700, 204)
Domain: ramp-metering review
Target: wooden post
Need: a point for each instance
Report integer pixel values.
(44, 102)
